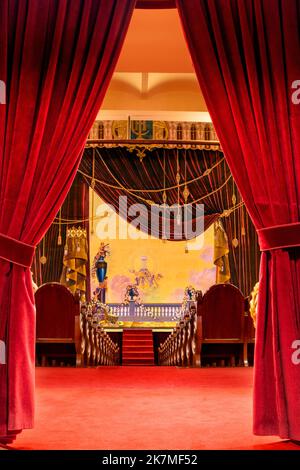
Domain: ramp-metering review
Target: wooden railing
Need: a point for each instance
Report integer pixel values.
(220, 319)
(97, 348)
(180, 348)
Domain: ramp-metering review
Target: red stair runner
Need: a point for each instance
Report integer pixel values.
(137, 348)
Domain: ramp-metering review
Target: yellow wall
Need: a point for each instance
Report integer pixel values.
(178, 269)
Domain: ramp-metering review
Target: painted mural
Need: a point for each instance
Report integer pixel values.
(161, 269)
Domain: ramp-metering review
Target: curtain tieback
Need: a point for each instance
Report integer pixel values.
(15, 251)
(279, 237)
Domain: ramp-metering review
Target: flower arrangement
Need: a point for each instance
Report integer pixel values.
(190, 293)
(99, 313)
(132, 293)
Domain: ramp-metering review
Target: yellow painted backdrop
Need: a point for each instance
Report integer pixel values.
(177, 268)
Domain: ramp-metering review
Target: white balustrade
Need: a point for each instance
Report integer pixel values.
(147, 312)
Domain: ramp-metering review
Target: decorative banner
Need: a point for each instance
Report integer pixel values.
(74, 262)
(221, 252)
(141, 130)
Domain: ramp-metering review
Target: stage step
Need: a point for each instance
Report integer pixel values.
(137, 348)
(134, 348)
(139, 341)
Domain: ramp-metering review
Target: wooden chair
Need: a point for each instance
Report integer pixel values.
(57, 323)
(221, 320)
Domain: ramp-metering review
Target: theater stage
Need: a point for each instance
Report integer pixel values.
(144, 408)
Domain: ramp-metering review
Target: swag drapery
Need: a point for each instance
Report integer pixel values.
(118, 172)
(56, 59)
(247, 56)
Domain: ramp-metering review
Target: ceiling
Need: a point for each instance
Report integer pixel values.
(155, 71)
(155, 43)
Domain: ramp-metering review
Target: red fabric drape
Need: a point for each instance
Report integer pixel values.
(56, 58)
(247, 56)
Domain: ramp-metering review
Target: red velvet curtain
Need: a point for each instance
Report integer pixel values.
(247, 58)
(56, 58)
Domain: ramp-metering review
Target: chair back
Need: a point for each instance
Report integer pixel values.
(223, 313)
(56, 309)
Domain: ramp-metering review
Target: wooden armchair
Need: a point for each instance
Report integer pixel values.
(57, 324)
(221, 320)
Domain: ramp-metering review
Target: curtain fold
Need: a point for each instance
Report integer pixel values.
(246, 56)
(56, 59)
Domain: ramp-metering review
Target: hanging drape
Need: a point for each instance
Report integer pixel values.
(117, 172)
(56, 59)
(247, 58)
(244, 254)
(221, 252)
(75, 208)
(74, 273)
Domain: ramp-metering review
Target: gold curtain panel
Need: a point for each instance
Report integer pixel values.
(75, 260)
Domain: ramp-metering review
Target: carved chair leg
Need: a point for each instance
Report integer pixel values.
(197, 360)
(245, 354)
(79, 360)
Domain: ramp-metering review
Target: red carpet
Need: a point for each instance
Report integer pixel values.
(144, 408)
(137, 348)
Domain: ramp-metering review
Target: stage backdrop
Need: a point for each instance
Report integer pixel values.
(171, 269)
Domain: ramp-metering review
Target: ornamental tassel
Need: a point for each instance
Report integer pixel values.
(43, 258)
(178, 218)
(59, 239)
